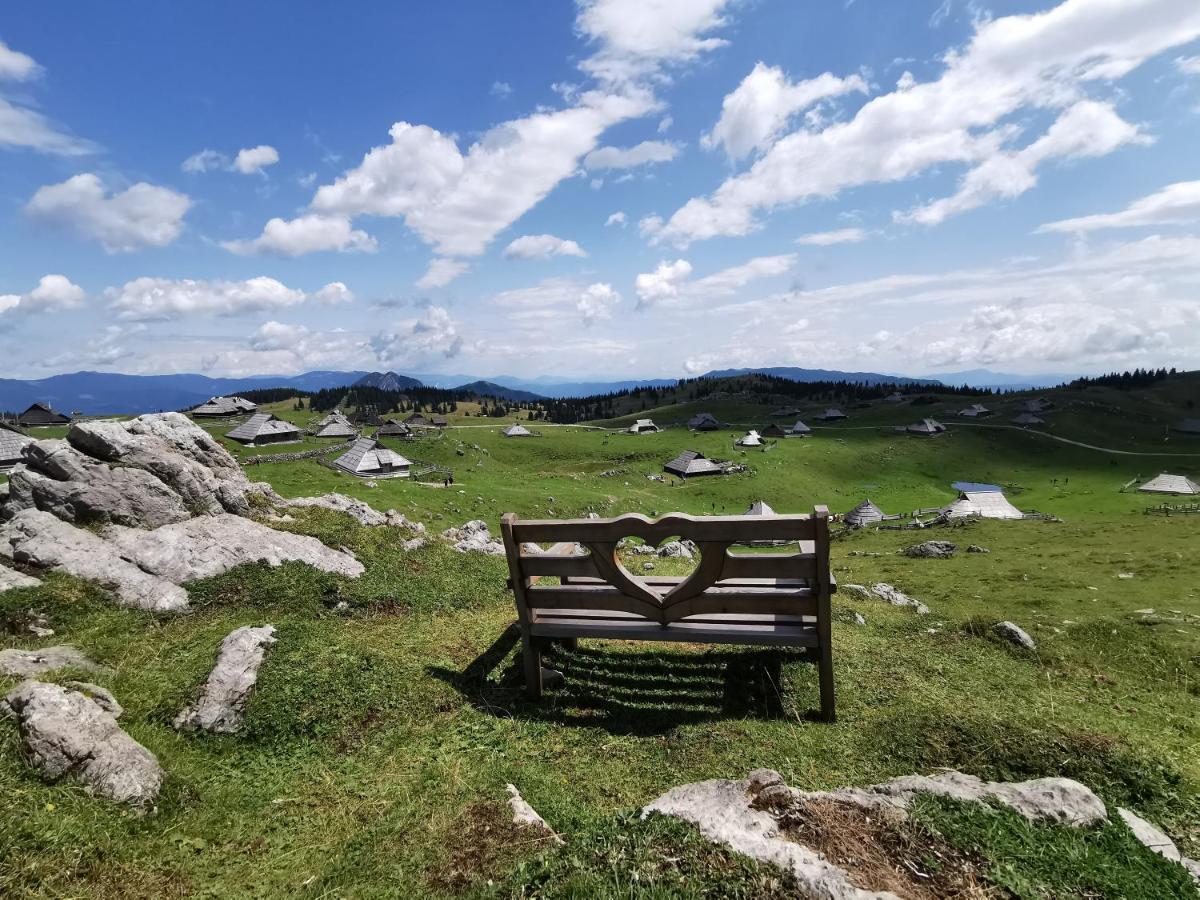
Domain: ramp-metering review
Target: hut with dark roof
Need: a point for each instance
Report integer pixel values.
(223, 407)
(784, 412)
(1170, 484)
(866, 513)
(12, 442)
(799, 430)
(417, 420)
(772, 431)
(335, 425)
(975, 411)
(39, 414)
(690, 463)
(367, 458)
(833, 414)
(1026, 419)
(704, 422)
(439, 421)
(264, 428)
(393, 428)
(926, 428)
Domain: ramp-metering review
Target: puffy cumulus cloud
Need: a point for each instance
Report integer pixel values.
(143, 215)
(306, 234)
(150, 299)
(334, 293)
(754, 114)
(597, 302)
(277, 336)
(541, 246)
(21, 126)
(630, 157)
(52, 293)
(16, 66)
(829, 238)
(205, 161)
(1176, 204)
(617, 218)
(282, 348)
(1086, 129)
(1013, 63)
(671, 283)
(441, 272)
(252, 160)
(637, 38)
(434, 335)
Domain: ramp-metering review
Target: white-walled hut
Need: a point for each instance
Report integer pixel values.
(393, 428)
(750, 439)
(12, 442)
(644, 426)
(264, 428)
(926, 428)
(40, 414)
(984, 500)
(516, 429)
(833, 414)
(690, 463)
(223, 407)
(335, 425)
(866, 513)
(799, 430)
(1170, 484)
(704, 422)
(975, 411)
(367, 458)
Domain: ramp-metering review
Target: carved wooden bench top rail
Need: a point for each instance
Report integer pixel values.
(733, 596)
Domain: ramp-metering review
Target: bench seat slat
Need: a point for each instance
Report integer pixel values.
(694, 632)
(797, 601)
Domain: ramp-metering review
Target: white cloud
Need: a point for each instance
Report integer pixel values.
(441, 272)
(617, 218)
(664, 124)
(150, 299)
(1176, 204)
(334, 293)
(671, 284)
(1011, 64)
(501, 89)
(663, 283)
(630, 157)
(597, 302)
(144, 215)
(205, 161)
(415, 341)
(829, 238)
(16, 66)
(252, 160)
(277, 336)
(1188, 65)
(763, 104)
(541, 246)
(305, 234)
(52, 293)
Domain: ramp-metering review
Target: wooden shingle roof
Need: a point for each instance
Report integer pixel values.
(40, 414)
(12, 442)
(866, 513)
(692, 462)
(1170, 484)
(262, 425)
(369, 457)
(224, 406)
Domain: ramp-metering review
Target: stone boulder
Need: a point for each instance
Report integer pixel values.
(11, 578)
(474, 537)
(66, 733)
(211, 545)
(42, 540)
(222, 702)
(931, 550)
(361, 512)
(31, 663)
(896, 597)
(1155, 839)
(1014, 634)
(527, 817)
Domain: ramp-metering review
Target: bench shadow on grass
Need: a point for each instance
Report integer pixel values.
(632, 691)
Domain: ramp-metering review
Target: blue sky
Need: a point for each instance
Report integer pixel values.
(606, 188)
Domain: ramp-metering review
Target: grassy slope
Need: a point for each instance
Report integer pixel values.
(369, 757)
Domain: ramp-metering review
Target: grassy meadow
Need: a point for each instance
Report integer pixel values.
(380, 738)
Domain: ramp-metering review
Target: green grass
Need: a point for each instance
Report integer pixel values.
(373, 750)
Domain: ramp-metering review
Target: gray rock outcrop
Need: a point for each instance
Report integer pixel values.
(11, 578)
(31, 663)
(1154, 838)
(222, 702)
(526, 816)
(361, 512)
(1014, 634)
(65, 733)
(474, 537)
(896, 597)
(931, 550)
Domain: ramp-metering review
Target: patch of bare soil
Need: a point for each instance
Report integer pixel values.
(888, 853)
(488, 844)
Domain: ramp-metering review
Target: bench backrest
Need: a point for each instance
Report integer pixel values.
(725, 581)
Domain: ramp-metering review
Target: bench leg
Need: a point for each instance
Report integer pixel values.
(532, 654)
(825, 672)
(569, 644)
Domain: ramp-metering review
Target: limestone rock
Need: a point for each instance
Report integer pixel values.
(1014, 634)
(361, 512)
(676, 550)
(66, 733)
(222, 701)
(889, 594)
(101, 696)
(474, 537)
(931, 550)
(526, 815)
(975, 548)
(210, 545)
(11, 578)
(40, 539)
(1153, 838)
(30, 663)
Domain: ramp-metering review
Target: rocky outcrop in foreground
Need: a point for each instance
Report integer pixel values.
(66, 733)
(30, 663)
(474, 537)
(222, 702)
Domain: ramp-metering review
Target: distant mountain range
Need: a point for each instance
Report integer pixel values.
(388, 381)
(491, 389)
(794, 374)
(999, 381)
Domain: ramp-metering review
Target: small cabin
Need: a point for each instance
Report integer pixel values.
(772, 431)
(691, 463)
(984, 500)
(1170, 484)
(335, 425)
(12, 442)
(975, 411)
(832, 415)
(223, 407)
(704, 422)
(750, 439)
(644, 426)
(367, 458)
(39, 414)
(393, 428)
(866, 513)
(926, 428)
(1026, 419)
(759, 508)
(799, 430)
(417, 420)
(264, 428)
(517, 430)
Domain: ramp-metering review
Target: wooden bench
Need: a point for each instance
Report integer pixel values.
(732, 597)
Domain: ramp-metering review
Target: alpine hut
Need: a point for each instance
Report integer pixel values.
(759, 508)
(39, 414)
(393, 428)
(264, 428)
(644, 426)
(690, 462)
(984, 500)
(799, 430)
(1170, 484)
(784, 412)
(975, 411)
(772, 431)
(1026, 419)
(750, 439)
(926, 428)
(1036, 405)
(517, 430)
(833, 414)
(417, 420)
(439, 421)
(335, 425)
(12, 442)
(367, 458)
(704, 422)
(223, 407)
(1189, 426)
(866, 513)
